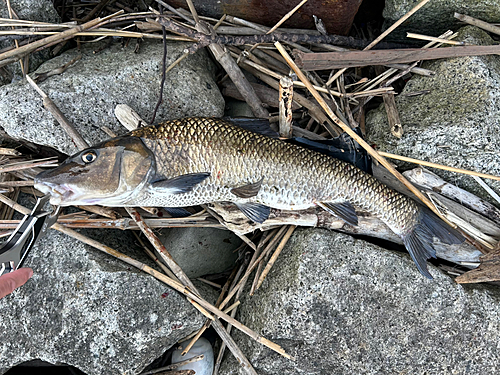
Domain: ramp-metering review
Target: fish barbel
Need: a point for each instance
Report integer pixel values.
(195, 161)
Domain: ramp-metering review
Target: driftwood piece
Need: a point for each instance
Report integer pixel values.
(350, 59)
(431, 181)
(368, 225)
(475, 22)
(395, 125)
(488, 270)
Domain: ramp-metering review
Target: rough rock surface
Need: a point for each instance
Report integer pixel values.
(88, 92)
(32, 10)
(201, 251)
(344, 306)
(457, 123)
(86, 309)
(437, 16)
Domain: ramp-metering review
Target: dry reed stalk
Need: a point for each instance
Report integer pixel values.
(438, 166)
(59, 116)
(155, 258)
(382, 36)
(62, 36)
(9, 151)
(174, 365)
(251, 267)
(103, 211)
(47, 162)
(356, 137)
(434, 39)
(286, 16)
(275, 255)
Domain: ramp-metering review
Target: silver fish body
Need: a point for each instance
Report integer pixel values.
(201, 160)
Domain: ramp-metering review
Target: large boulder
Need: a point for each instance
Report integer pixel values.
(456, 123)
(201, 251)
(89, 310)
(435, 17)
(88, 92)
(344, 306)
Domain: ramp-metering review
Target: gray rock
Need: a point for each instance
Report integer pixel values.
(89, 310)
(88, 92)
(344, 306)
(31, 10)
(457, 123)
(436, 16)
(201, 251)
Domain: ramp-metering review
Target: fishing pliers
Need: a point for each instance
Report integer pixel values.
(31, 228)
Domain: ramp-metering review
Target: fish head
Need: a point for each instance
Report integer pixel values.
(110, 173)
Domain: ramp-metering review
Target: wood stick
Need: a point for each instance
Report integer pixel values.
(275, 255)
(475, 22)
(59, 116)
(356, 137)
(438, 166)
(286, 16)
(285, 107)
(335, 60)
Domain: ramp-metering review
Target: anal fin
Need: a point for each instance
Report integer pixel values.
(255, 211)
(343, 210)
(247, 191)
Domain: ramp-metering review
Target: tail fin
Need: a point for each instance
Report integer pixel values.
(419, 241)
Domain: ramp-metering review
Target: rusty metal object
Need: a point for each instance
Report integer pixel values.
(337, 15)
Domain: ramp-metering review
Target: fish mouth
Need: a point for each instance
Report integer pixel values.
(60, 195)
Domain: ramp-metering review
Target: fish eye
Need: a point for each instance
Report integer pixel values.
(89, 157)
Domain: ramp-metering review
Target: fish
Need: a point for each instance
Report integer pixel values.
(194, 161)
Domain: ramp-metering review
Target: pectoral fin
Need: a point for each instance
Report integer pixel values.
(247, 191)
(255, 211)
(180, 184)
(343, 210)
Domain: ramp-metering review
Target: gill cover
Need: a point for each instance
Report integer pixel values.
(110, 173)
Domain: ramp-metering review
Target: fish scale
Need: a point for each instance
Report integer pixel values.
(194, 161)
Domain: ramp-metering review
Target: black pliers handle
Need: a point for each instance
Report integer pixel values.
(33, 226)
